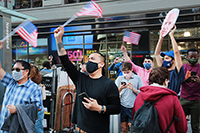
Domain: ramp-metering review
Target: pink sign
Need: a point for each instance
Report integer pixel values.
(75, 55)
(169, 21)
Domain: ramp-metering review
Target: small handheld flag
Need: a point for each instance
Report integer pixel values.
(90, 9)
(28, 31)
(131, 37)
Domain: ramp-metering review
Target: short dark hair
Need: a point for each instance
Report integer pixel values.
(158, 75)
(46, 64)
(25, 64)
(148, 57)
(126, 66)
(193, 50)
(103, 57)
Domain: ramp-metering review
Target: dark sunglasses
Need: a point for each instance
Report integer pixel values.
(17, 69)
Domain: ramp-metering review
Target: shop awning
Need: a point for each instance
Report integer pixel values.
(15, 16)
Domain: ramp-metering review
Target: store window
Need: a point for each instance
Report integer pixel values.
(37, 3)
(21, 4)
(20, 54)
(23, 51)
(70, 1)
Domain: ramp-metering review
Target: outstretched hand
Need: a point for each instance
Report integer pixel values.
(58, 33)
(116, 60)
(171, 33)
(123, 49)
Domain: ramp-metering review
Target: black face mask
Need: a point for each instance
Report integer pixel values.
(91, 67)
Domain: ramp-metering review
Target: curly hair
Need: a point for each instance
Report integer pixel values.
(35, 75)
(158, 75)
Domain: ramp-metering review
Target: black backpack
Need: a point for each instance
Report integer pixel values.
(145, 119)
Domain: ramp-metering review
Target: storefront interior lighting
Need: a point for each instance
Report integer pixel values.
(186, 34)
(179, 47)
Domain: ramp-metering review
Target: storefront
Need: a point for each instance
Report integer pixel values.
(105, 35)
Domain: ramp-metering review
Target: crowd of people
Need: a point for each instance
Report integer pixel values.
(134, 87)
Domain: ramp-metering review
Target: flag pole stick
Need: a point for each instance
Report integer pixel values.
(9, 35)
(68, 21)
(13, 32)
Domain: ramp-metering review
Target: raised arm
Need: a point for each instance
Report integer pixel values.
(58, 34)
(177, 56)
(126, 57)
(69, 67)
(158, 50)
(2, 72)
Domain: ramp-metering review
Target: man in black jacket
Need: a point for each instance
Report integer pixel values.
(92, 115)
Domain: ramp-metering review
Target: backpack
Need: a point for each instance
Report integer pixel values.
(145, 119)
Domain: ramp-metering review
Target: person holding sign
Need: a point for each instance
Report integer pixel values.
(172, 59)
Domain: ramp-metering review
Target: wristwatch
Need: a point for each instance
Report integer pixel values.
(102, 109)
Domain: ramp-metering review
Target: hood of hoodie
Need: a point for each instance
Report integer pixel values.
(152, 93)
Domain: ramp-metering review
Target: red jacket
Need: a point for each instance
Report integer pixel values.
(166, 107)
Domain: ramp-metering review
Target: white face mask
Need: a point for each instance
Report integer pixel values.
(128, 75)
(17, 75)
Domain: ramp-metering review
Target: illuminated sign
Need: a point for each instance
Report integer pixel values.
(75, 39)
(138, 56)
(88, 52)
(75, 55)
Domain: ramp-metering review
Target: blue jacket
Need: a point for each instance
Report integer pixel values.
(116, 67)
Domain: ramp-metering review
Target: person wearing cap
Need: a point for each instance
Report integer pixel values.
(172, 61)
(140, 71)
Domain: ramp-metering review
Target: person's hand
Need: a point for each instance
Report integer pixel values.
(1, 45)
(92, 104)
(123, 49)
(116, 60)
(188, 80)
(58, 33)
(130, 86)
(195, 79)
(122, 86)
(171, 33)
(161, 32)
(11, 109)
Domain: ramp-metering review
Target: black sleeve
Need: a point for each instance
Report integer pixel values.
(69, 68)
(113, 98)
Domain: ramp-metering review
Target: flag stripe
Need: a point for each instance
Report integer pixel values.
(25, 35)
(131, 37)
(28, 32)
(91, 8)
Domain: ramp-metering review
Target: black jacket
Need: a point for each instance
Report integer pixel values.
(23, 121)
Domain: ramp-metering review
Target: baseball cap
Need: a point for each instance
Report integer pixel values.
(170, 53)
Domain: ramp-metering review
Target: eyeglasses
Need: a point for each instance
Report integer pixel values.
(17, 69)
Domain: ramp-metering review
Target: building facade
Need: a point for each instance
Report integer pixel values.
(86, 35)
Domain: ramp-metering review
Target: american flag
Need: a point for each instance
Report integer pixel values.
(28, 32)
(91, 8)
(131, 37)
